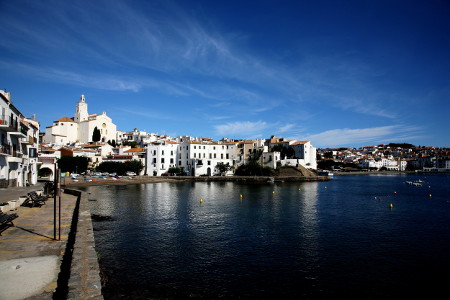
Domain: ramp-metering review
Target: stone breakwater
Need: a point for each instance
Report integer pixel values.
(84, 271)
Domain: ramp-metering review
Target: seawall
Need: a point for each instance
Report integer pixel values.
(80, 259)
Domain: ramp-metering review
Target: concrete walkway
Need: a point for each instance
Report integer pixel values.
(31, 255)
(13, 193)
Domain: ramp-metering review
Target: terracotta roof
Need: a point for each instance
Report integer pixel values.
(300, 143)
(64, 119)
(134, 150)
(171, 142)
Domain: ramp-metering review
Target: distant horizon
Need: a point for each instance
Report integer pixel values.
(336, 74)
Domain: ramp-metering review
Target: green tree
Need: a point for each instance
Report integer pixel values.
(223, 168)
(174, 170)
(121, 168)
(135, 166)
(96, 135)
(71, 164)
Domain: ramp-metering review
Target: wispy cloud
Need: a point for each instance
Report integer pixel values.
(346, 136)
(146, 114)
(286, 128)
(242, 129)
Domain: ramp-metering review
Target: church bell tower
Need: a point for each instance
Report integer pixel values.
(82, 111)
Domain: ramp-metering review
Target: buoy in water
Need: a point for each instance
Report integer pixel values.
(201, 200)
(240, 195)
(429, 195)
(391, 205)
(273, 192)
(326, 187)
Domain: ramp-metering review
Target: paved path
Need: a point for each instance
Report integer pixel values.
(30, 257)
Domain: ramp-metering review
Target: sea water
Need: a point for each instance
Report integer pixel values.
(365, 237)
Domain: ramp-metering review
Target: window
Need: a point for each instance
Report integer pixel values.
(221, 155)
(210, 156)
(162, 160)
(195, 147)
(227, 156)
(154, 160)
(162, 152)
(195, 154)
(214, 155)
(171, 152)
(171, 160)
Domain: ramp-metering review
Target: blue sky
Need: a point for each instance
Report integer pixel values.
(337, 73)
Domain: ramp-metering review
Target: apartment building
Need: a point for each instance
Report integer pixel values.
(18, 146)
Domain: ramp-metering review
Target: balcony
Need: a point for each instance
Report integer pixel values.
(5, 150)
(16, 157)
(28, 140)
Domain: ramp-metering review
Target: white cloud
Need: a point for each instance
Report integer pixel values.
(242, 129)
(346, 136)
(286, 128)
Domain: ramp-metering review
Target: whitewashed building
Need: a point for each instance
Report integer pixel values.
(19, 138)
(80, 129)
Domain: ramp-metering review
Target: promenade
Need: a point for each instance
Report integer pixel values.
(37, 262)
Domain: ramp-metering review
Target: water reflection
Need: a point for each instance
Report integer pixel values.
(277, 240)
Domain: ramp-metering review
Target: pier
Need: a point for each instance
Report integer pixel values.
(39, 261)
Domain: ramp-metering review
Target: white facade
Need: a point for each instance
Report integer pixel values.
(19, 139)
(160, 157)
(194, 158)
(80, 128)
(306, 154)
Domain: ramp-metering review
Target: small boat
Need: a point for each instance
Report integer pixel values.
(325, 173)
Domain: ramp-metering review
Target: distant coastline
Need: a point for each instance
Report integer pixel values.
(385, 173)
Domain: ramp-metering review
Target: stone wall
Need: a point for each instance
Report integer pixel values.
(84, 281)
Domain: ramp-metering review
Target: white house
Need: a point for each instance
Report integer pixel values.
(18, 145)
(305, 153)
(161, 156)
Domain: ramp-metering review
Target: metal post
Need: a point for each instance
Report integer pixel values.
(59, 208)
(55, 188)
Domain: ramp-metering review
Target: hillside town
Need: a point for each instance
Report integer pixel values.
(27, 151)
(391, 157)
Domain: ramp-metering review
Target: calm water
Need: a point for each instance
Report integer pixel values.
(317, 240)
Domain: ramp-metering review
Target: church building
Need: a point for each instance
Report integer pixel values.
(80, 129)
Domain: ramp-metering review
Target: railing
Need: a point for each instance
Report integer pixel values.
(3, 120)
(5, 149)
